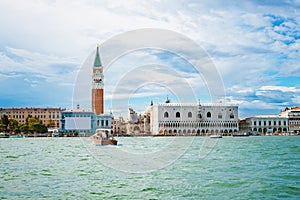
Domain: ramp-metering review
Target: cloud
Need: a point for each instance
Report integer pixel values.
(269, 99)
(278, 94)
(279, 88)
(14, 62)
(254, 44)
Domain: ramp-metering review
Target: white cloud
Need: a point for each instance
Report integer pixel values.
(258, 104)
(51, 68)
(279, 88)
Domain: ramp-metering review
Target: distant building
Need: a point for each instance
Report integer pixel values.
(132, 116)
(265, 124)
(192, 119)
(119, 126)
(136, 125)
(79, 121)
(293, 115)
(294, 121)
(49, 116)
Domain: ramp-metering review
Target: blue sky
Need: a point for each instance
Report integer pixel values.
(254, 45)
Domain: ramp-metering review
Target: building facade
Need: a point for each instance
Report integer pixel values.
(192, 119)
(294, 122)
(265, 124)
(79, 121)
(136, 124)
(49, 116)
(293, 114)
(119, 126)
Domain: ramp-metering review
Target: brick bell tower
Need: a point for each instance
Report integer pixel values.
(97, 86)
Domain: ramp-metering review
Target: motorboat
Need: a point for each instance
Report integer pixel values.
(240, 134)
(103, 137)
(4, 135)
(16, 136)
(216, 136)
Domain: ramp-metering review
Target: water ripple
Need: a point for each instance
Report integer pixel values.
(234, 168)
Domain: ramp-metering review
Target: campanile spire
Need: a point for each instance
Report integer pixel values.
(97, 62)
(98, 86)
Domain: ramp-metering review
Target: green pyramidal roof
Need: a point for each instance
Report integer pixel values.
(97, 62)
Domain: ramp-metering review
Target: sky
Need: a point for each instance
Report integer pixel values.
(46, 47)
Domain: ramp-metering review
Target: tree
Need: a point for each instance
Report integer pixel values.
(37, 127)
(12, 125)
(31, 120)
(34, 125)
(5, 121)
(24, 128)
(2, 127)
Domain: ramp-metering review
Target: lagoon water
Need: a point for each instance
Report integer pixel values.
(233, 168)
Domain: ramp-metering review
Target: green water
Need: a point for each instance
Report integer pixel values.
(232, 168)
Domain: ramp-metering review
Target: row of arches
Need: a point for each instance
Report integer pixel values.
(268, 130)
(195, 132)
(269, 123)
(198, 124)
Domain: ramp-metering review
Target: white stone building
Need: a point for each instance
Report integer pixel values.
(192, 119)
(265, 124)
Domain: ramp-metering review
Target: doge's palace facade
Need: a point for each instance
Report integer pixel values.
(193, 119)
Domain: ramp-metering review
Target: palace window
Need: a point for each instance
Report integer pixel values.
(220, 116)
(208, 115)
(190, 115)
(178, 115)
(166, 115)
(231, 116)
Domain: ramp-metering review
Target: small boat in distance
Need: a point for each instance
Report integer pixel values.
(240, 135)
(216, 136)
(4, 135)
(103, 137)
(16, 136)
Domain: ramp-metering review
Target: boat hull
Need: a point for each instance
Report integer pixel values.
(106, 142)
(103, 137)
(216, 136)
(240, 135)
(2, 135)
